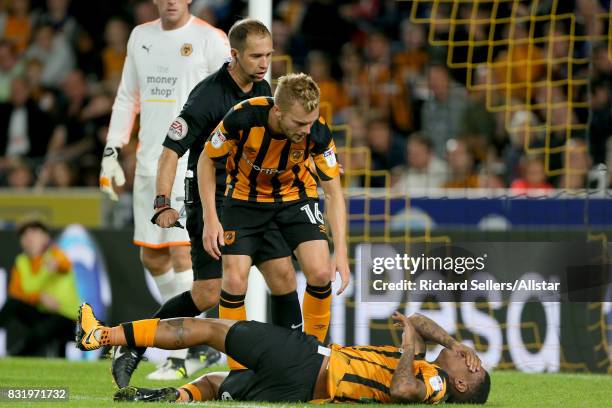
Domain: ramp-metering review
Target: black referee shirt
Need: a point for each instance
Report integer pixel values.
(206, 106)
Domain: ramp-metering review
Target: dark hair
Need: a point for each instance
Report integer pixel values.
(31, 223)
(481, 391)
(243, 28)
(421, 138)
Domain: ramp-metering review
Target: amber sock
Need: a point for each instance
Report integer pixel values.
(140, 333)
(232, 307)
(316, 310)
(193, 392)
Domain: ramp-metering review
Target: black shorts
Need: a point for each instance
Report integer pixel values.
(247, 224)
(282, 364)
(205, 266)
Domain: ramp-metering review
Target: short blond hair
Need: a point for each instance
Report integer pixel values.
(299, 88)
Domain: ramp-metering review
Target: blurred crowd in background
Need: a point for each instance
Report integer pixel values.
(61, 62)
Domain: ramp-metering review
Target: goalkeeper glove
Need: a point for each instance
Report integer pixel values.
(111, 170)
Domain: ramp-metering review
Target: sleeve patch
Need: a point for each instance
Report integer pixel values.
(436, 382)
(217, 139)
(330, 157)
(178, 129)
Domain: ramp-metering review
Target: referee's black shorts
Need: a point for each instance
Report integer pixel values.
(272, 245)
(282, 364)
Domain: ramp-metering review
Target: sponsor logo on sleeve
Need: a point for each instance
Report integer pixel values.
(330, 157)
(218, 138)
(436, 383)
(178, 129)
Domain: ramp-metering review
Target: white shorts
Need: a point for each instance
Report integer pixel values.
(146, 233)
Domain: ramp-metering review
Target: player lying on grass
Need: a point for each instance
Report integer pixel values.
(291, 366)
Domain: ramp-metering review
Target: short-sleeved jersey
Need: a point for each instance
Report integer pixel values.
(206, 106)
(160, 70)
(265, 167)
(364, 373)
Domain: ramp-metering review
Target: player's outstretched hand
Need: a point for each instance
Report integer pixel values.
(111, 171)
(409, 332)
(471, 358)
(213, 237)
(340, 264)
(167, 218)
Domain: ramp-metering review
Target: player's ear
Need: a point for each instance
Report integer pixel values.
(234, 53)
(461, 385)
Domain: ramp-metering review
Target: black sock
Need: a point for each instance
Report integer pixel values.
(179, 306)
(286, 310)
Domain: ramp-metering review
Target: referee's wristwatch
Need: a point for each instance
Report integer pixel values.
(161, 201)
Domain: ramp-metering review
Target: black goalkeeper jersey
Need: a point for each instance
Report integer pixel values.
(206, 106)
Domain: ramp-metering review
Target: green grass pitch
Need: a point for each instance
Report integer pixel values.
(90, 385)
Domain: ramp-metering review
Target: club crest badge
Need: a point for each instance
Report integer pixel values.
(186, 49)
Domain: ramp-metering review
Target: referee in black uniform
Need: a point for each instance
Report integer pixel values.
(239, 79)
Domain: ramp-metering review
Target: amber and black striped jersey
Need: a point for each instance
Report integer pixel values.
(264, 167)
(206, 106)
(364, 373)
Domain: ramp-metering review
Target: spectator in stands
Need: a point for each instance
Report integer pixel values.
(145, 11)
(319, 68)
(19, 175)
(523, 132)
(462, 172)
(113, 55)
(533, 176)
(387, 150)
(54, 52)
(387, 94)
(354, 76)
(18, 26)
(601, 119)
(63, 23)
(424, 170)
(443, 112)
(42, 295)
(88, 58)
(602, 63)
(411, 56)
(75, 135)
(518, 62)
(10, 68)
(479, 126)
(26, 127)
(576, 166)
(57, 175)
(44, 97)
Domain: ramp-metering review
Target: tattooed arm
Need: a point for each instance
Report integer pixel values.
(430, 330)
(404, 385)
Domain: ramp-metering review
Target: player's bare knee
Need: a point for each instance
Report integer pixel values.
(205, 293)
(235, 284)
(279, 275)
(181, 258)
(157, 261)
(318, 277)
